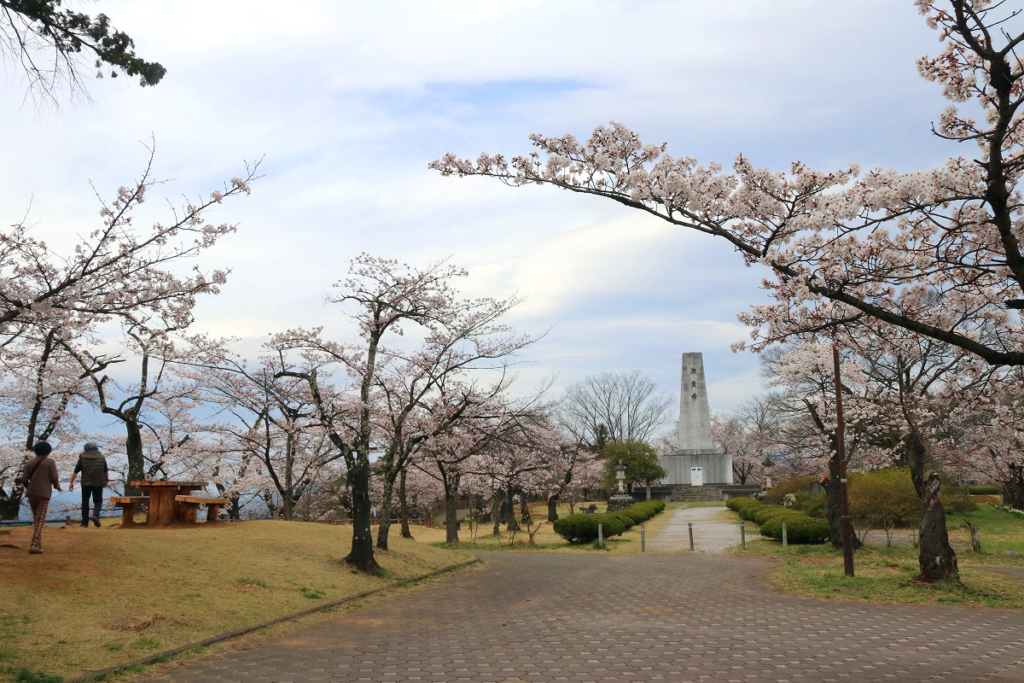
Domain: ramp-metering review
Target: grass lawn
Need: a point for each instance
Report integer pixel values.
(546, 539)
(888, 575)
(98, 597)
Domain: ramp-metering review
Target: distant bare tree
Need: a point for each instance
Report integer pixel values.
(627, 404)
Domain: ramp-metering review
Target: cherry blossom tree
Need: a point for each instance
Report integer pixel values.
(382, 296)
(466, 338)
(117, 270)
(154, 348)
(488, 425)
(844, 251)
(42, 389)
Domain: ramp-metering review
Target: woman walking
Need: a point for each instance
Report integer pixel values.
(39, 478)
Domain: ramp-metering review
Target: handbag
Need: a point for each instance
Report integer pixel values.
(27, 479)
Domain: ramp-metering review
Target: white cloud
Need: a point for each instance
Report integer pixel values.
(350, 101)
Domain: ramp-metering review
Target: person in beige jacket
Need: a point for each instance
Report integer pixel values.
(39, 477)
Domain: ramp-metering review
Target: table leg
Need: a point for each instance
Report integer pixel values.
(160, 507)
(211, 512)
(127, 515)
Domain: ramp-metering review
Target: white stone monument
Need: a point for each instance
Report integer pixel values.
(697, 462)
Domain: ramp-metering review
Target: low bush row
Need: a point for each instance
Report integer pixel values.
(984, 489)
(800, 528)
(583, 528)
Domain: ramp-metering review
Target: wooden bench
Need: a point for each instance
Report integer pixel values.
(127, 505)
(190, 507)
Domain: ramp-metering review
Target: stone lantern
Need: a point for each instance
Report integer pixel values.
(620, 476)
(767, 464)
(620, 500)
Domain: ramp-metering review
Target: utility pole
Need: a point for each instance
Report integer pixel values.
(846, 524)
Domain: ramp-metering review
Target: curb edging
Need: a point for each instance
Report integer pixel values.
(242, 630)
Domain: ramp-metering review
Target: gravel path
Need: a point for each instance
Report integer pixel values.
(715, 529)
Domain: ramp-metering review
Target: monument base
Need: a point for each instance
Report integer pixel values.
(620, 501)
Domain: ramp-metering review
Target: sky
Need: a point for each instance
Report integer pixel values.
(347, 102)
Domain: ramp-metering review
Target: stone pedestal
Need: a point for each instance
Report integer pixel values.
(620, 501)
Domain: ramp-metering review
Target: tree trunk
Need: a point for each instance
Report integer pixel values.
(403, 506)
(11, 505)
(361, 555)
(497, 503)
(1013, 488)
(385, 515)
(834, 502)
(937, 558)
(136, 462)
(648, 490)
(552, 507)
(513, 524)
(527, 517)
(451, 519)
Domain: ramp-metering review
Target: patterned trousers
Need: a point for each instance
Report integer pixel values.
(39, 506)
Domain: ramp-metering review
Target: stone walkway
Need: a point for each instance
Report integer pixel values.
(715, 529)
(536, 617)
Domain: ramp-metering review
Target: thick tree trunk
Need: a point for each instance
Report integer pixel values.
(937, 558)
(136, 462)
(361, 555)
(834, 502)
(525, 511)
(552, 507)
(451, 520)
(497, 503)
(385, 515)
(1013, 488)
(403, 506)
(513, 524)
(11, 505)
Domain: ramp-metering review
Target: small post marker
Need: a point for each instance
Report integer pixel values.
(600, 535)
(643, 539)
(690, 525)
(743, 535)
(785, 540)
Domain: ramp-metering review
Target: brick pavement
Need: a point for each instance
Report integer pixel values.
(590, 617)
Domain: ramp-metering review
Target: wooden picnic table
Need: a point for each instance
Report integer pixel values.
(163, 509)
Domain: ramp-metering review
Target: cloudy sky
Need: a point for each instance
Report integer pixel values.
(347, 102)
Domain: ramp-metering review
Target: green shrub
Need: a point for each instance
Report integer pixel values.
(799, 529)
(794, 485)
(984, 489)
(883, 498)
(627, 521)
(766, 512)
(811, 503)
(956, 499)
(583, 528)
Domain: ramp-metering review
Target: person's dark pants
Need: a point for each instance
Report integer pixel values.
(97, 502)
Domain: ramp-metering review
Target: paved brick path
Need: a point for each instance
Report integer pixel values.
(592, 617)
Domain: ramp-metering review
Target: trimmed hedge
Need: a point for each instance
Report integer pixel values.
(583, 528)
(984, 489)
(800, 528)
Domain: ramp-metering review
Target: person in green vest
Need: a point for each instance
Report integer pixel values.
(93, 467)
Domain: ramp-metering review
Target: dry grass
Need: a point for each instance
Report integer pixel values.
(97, 597)
(546, 539)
